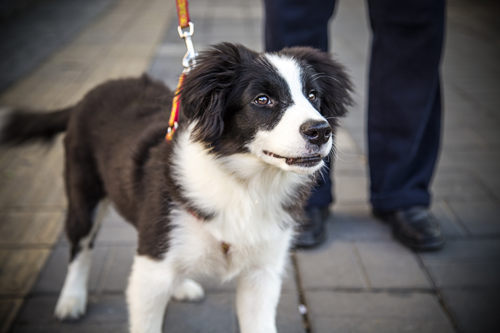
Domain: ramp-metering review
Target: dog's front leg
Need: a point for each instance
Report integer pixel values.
(257, 298)
(150, 286)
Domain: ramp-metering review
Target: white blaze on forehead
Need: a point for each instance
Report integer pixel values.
(290, 70)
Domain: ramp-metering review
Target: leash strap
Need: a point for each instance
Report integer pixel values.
(185, 30)
(183, 13)
(173, 121)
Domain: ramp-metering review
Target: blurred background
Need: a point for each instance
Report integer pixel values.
(361, 280)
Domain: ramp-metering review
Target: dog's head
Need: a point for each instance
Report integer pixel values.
(282, 107)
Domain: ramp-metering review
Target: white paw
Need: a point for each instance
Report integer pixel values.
(71, 306)
(188, 290)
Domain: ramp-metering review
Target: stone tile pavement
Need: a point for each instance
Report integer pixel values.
(88, 42)
(361, 280)
(54, 23)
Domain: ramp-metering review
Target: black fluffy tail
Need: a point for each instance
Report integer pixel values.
(24, 126)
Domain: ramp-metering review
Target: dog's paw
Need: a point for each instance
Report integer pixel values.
(188, 290)
(71, 306)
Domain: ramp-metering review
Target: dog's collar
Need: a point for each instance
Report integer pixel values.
(225, 247)
(195, 214)
(198, 214)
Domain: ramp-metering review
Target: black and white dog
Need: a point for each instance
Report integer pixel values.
(222, 198)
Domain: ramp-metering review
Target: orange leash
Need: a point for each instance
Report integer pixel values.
(182, 13)
(186, 30)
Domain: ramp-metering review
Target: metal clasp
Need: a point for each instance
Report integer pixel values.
(188, 61)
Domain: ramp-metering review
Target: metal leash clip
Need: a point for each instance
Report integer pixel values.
(188, 61)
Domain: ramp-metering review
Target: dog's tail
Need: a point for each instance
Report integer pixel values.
(19, 126)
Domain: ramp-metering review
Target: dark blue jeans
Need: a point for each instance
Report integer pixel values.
(404, 108)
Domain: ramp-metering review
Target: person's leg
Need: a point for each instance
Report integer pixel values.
(297, 23)
(404, 110)
(303, 23)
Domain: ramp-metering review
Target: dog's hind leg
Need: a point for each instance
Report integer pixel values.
(73, 298)
(149, 289)
(86, 210)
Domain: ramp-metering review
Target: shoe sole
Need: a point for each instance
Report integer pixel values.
(427, 247)
(424, 247)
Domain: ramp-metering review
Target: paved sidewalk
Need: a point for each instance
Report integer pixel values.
(361, 280)
(104, 40)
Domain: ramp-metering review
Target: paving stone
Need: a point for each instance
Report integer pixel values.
(461, 117)
(390, 265)
(476, 311)
(333, 265)
(8, 310)
(375, 312)
(215, 313)
(38, 311)
(458, 186)
(45, 185)
(114, 231)
(288, 318)
(492, 182)
(19, 269)
(354, 222)
(480, 218)
(465, 139)
(473, 161)
(465, 263)
(348, 163)
(349, 160)
(113, 219)
(27, 228)
(449, 223)
(52, 23)
(351, 189)
(64, 328)
(117, 268)
(122, 235)
(51, 278)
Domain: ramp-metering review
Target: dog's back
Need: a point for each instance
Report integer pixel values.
(108, 133)
(109, 107)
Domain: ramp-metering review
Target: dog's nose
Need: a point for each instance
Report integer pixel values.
(316, 131)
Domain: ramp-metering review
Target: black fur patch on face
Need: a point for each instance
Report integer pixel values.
(328, 76)
(219, 93)
(223, 91)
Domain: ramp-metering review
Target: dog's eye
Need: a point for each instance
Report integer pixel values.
(312, 95)
(263, 100)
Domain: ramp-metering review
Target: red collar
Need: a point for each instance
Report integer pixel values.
(225, 247)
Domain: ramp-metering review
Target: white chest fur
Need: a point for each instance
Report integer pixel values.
(195, 250)
(248, 198)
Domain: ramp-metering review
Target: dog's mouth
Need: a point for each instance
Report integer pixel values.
(303, 161)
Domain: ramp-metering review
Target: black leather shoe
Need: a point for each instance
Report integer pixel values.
(313, 231)
(415, 227)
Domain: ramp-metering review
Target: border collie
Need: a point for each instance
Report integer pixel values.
(222, 198)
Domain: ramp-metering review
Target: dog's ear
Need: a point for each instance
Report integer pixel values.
(336, 87)
(206, 88)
